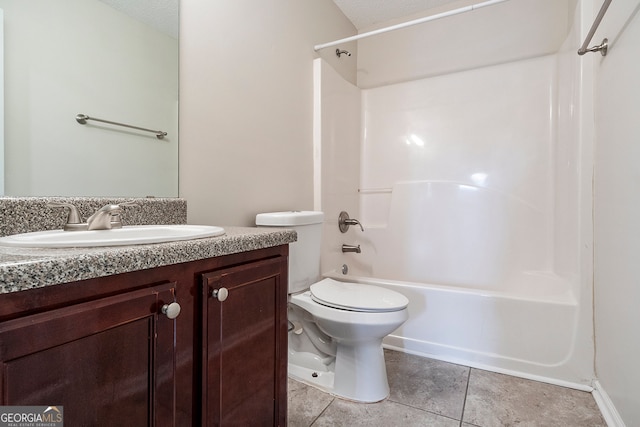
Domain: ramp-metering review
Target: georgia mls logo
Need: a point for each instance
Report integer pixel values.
(54, 410)
(31, 416)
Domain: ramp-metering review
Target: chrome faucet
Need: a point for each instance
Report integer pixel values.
(351, 248)
(101, 219)
(105, 218)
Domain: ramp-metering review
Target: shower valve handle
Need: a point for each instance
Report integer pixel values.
(344, 222)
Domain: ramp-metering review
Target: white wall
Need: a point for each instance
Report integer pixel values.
(81, 56)
(246, 104)
(617, 209)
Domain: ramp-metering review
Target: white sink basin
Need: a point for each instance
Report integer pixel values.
(128, 235)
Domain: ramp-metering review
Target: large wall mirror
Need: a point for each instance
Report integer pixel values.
(111, 59)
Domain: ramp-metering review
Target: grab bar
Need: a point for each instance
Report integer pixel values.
(602, 47)
(82, 119)
(380, 190)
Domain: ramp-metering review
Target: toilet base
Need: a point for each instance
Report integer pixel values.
(320, 379)
(359, 373)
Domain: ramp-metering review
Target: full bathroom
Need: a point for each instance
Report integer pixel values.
(488, 166)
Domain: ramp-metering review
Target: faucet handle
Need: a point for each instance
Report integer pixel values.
(101, 219)
(116, 219)
(74, 220)
(344, 222)
(352, 221)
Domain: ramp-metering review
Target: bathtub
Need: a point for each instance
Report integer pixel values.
(528, 331)
(479, 269)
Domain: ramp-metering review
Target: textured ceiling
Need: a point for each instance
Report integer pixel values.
(160, 14)
(364, 13)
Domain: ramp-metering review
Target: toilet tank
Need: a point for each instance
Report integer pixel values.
(304, 254)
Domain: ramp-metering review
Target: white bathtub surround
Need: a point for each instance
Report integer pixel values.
(474, 192)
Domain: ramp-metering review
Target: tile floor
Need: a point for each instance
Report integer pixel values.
(427, 392)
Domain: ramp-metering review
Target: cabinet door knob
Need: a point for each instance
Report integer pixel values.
(171, 310)
(221, 294)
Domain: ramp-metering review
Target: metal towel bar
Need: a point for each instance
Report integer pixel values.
(602, 47)
(82, 119)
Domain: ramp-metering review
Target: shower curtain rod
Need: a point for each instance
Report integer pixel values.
(409, 23)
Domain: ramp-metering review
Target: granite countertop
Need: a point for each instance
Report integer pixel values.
(22, 269)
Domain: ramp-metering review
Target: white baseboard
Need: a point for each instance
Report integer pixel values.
(606, 406)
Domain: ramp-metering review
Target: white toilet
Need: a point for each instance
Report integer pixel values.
(335, 342)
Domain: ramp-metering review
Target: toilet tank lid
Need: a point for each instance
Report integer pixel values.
(289, 218)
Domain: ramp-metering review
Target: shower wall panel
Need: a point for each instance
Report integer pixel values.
(336, 157)
(488, 131)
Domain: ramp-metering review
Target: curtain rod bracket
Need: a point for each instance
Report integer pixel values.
(602, 48)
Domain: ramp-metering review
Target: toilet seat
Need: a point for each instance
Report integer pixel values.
(357, 297)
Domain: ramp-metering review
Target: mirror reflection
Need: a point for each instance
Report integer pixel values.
(68, 57)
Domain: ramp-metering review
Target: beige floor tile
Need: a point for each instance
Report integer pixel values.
(343, 413)
(305, 403)
(427, 384)
(502, 400)
(427, 392)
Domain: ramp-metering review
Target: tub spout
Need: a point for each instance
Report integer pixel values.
(351, 248)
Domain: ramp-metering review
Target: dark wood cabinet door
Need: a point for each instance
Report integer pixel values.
(244, 345)
(108, 362)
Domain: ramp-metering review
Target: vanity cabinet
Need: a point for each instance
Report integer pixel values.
(244, 345)
(104, 350)
(105, 361)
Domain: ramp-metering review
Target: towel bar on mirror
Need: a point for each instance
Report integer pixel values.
(82, 119)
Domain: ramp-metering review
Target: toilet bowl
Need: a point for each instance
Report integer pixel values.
(358, 330)
(335, 341)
